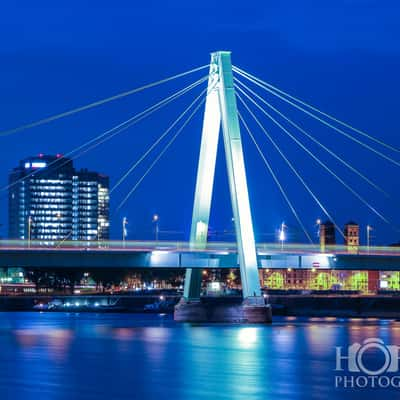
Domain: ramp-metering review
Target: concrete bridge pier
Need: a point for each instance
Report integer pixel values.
(209, 311)
(193, 308)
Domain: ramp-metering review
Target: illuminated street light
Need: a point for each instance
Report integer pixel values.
(155, 221)
(124, 230)
(282, 236)
(29, 230)
(369, 229)
(318, 223)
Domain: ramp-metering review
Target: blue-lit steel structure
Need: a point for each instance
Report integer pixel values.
(221, 110)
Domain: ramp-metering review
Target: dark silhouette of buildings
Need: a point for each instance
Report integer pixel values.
(327, 235)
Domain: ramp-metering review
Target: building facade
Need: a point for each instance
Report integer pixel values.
(364, 281)
(50, 201)
(352, 236)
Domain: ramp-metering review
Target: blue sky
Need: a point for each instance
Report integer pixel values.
(343, 56)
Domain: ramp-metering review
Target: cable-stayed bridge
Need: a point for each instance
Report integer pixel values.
(231, 102)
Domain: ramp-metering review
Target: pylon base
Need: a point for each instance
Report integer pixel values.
(246, 312)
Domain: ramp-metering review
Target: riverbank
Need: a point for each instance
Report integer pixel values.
(378, 306)
(90, 303)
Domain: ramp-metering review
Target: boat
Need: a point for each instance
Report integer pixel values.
(79, 306)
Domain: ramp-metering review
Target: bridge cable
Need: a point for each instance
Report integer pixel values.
(304, 132)
(149, 150)
(115, 130)
(138, 117)
(299, 177)
(170, 142)
(321, 163)
(97, 103)
(382, 155)
(64, 239)
(143, 115)
(271, 171)
(332, 118)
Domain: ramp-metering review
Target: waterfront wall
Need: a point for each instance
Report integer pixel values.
(287, 305)
(336, 306)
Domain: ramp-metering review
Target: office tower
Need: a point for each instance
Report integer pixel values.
(50, 201)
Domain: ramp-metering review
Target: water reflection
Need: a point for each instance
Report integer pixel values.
(247, 337)
(87, 356)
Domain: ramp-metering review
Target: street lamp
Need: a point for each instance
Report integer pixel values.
(124, 230)
(29, 230)
(155, 221)
(318, 223)
(369, 229)
(282, 236)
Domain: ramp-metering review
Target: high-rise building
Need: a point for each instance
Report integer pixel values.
(50, 201)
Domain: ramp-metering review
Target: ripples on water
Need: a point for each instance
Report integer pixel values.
(61, 356)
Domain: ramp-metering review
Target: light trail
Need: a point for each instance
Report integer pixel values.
(220, 248)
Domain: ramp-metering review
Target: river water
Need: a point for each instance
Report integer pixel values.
(71, 356)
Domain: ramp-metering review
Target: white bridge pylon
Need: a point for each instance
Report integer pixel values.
(220, 108)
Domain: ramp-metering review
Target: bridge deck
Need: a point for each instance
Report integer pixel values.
(178, 255)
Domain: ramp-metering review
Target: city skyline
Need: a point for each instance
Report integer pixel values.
(299, 65)
(34, 170)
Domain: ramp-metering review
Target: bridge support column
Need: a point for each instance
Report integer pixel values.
(221, 107)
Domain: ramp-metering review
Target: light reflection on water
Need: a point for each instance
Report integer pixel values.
(87, 356)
